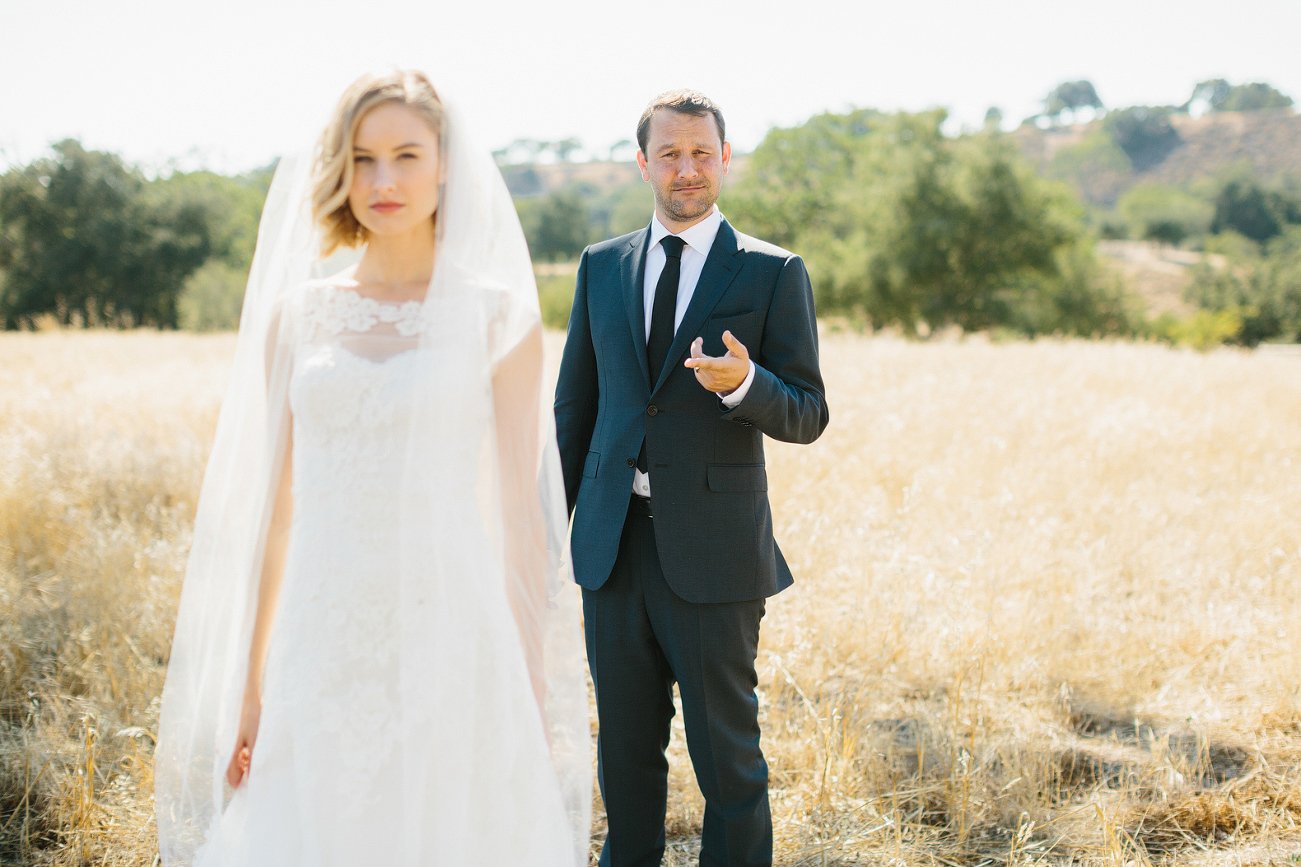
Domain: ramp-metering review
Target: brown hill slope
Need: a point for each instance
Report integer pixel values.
(1267, 141)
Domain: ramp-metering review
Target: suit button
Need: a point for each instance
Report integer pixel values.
(652, 409)
(632, 462)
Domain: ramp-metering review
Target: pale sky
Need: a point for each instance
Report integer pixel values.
(233, 84)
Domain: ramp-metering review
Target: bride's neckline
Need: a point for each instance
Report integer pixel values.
(346, 281)
(387, 302)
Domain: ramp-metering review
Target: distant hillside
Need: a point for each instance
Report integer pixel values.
(1085, 154)
(537, 179)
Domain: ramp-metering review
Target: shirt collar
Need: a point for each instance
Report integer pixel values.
(699, 237)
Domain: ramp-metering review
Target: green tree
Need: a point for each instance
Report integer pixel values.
(1213, 92)
(566, 148)
(1159, 213)
(1263, 292)
(906, 227)
(1242, 205)
(1144, 133)
(1256, 96)
(1095, 166)
(624, 209)
(212, 296)
(85, 238)
(1071, 96)
(557, 226)
(1219, 95)
(795, 177)
(621, 145)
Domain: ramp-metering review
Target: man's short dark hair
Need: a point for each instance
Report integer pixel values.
(691, 102)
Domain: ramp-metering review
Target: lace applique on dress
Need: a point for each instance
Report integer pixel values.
(337, 309)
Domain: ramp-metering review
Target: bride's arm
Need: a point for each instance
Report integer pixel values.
(268, 598)
(273, 563)
(517, 389)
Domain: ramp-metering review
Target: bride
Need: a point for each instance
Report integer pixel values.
(377, 657)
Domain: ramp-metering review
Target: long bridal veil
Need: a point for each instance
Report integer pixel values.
(491, 543)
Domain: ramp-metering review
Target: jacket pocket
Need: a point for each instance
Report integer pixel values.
(590, 465)
(733, 478)
(745, 327)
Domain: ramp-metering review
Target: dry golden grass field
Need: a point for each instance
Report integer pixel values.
(1047, 611)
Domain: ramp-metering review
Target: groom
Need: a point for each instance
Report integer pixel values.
(688, 342)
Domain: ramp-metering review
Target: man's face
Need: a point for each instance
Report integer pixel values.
(684, 162)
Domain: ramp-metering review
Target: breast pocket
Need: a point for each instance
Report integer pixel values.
(745, 327)
(590, 465)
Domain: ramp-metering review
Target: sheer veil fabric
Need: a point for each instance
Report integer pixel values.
(427, 602)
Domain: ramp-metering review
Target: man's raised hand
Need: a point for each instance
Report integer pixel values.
(723, 374)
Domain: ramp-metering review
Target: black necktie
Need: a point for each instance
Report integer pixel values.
(663, 312)
(665, 308)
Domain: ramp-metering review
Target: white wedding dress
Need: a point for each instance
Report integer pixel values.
(399, 725)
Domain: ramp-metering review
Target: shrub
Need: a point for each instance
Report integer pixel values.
(1160, 213)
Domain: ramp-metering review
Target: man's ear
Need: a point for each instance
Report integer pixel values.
(727, 155)
(644, 166)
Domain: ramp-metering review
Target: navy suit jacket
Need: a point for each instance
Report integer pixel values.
(709, 486)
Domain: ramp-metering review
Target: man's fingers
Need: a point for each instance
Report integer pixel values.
(736, 347)
(716, 364)
(707, 364)
(697, 352)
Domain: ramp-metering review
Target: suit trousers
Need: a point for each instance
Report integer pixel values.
(641, 638)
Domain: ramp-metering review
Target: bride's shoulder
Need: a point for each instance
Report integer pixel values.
(313, 302)
(457, 285)
(315, 293)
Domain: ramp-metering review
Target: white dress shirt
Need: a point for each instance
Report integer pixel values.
(699, 239)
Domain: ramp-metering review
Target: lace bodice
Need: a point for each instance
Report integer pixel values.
(351, 395)
(361, 368)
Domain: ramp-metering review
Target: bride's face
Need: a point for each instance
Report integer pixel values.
(395, 171)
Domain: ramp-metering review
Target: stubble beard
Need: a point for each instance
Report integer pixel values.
(686, 210)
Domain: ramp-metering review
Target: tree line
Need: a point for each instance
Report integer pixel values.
(89, 240)
(901, 226)
(905, 227)
(1068, 99)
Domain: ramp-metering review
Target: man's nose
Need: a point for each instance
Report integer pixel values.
(687, 168)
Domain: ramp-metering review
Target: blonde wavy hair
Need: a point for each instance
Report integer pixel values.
(332, 177)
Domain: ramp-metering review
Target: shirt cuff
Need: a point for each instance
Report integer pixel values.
(735, 398)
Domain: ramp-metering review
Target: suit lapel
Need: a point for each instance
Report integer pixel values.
(634, 276)
(721, 265)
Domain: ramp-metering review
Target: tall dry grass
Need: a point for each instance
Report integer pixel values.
(103, 439)
(1046, 611)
